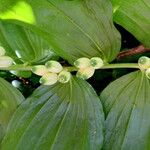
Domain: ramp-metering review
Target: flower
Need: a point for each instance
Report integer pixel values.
(6, 61)
(49, 79)
(82, 63)
(39, 70)
(96, 62)
(54, 66)
(144, 62)
(85, 73)
(64, 76)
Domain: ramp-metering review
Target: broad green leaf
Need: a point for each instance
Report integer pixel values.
(127, 105)
(23, 44)
(74, 28)
(10, 98)
(134, 16)
(60, 117)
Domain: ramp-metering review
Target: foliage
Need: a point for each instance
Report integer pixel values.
(61, 44)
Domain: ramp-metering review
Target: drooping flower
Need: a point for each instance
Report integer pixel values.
(144, 62)
(54, 66)
(85, 73)
(82, 63)
(96, 62)
(49, 79)
(5, 61)
(64, 76)
(39, 70)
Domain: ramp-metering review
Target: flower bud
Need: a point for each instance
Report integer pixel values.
(49, 79)
(54, 66)
(85, 73)
(148, 73)
(96, 62)
(2, 51)
(144, 62)
(39, 70)
(82, 62)
(6, 61)
(64, 76)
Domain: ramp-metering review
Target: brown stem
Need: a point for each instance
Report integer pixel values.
(137, 50)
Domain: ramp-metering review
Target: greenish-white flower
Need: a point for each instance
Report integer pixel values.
(49, 79)
(85, 73)
(82, 63)
(64, 76)
(144, 62)
(147, 72)
(2, 51)
(39, 70)
(54, 66)
(96, 62)
(5, 61)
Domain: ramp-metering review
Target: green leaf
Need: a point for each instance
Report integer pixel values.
(10, 98)
(23, 44)
(134, 16)
(24, 74)
(74, 28)
(63, 116)
(127, 105)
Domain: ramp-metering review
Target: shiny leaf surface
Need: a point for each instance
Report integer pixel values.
(23, 44)
(10, 98)
(63, 116)
(134, 16)
(74, 28)
(127, 103)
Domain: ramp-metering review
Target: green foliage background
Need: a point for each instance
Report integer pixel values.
(109, 111)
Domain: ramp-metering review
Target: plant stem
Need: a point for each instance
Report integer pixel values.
(137, 50)
(110, 66)
(71, 69)
(17, 68)
(122, 65)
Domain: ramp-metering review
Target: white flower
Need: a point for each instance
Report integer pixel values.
(96, 62)
(2, 51)
(39, 70)
(144, 62)
(5, 61)
(82, 63)
(64, 76)
(54, 66)
(49, 79)
(85, 73)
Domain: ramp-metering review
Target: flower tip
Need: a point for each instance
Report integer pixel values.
(85, 73)
(39, 70)
(42, 81)
(48, 79)
(96, 62)
(82, 62)
(54, 66)
(144, 62)
(6, 61)
(64, 77)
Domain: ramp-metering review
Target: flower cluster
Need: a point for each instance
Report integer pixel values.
(87, 66)
(52, 72)
(5, 61)
(144, 64)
